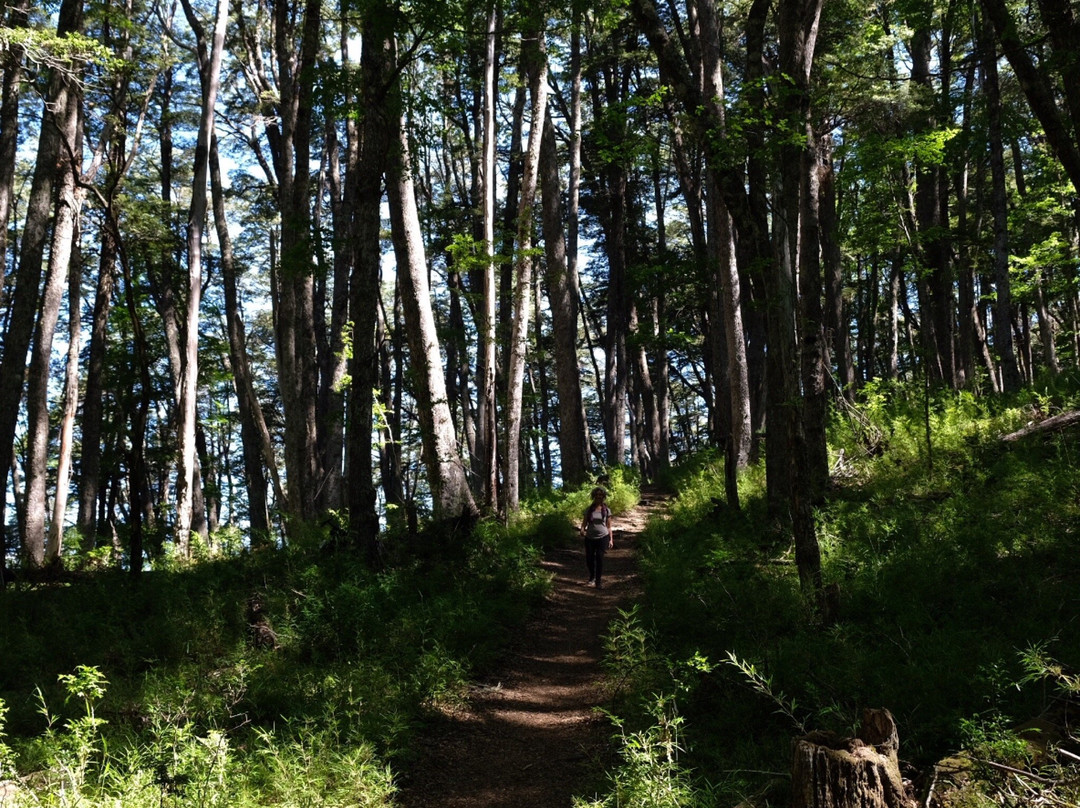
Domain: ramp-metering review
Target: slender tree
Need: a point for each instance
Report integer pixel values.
(61, 99)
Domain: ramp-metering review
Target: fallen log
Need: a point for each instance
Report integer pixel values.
(861, 772)
(1052, 424)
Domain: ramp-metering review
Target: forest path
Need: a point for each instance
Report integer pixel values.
(529, 736)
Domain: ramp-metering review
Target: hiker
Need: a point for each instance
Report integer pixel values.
(596, 528)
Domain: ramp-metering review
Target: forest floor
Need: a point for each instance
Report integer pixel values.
(529, 734)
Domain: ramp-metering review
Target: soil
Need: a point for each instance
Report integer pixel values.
(530, 735)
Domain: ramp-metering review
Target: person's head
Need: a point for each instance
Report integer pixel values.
(598, 495)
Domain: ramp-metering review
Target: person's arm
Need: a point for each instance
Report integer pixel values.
(610, 533)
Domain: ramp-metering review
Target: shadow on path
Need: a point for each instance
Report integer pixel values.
(529, 736)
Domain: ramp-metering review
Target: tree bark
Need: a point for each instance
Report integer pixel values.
(811, 323)
(55, 538)
(1035, 83)
(562, 296)
(450, 492)
(366, 165)
(90, 457)
(1003, 314)
(838, 332)
(69, 201)
(210, 57)
(486, 432)
(860, 772)
(11, 63)
(724, 259)
(288, 129)
(797, 23)
(257, 450)
(534, 60)
(52, 161)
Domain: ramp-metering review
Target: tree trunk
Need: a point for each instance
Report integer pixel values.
(258, 450)
(90, 457)
(811, 324)
(1046, 329)
(1003, 314)
(724, 261)
(1062, 135)
(797, 23)
(296, 46)
(62, 94)
(562, 296)
(935, 283)
(64, 238)
(837, 330)
(333, 361)
(390, 467)
(486, 432)
(366, 165)
(534, 60)
(861, 772)
(210, 79)
(54, 541)
(11, 62)
(136, 460)
(450, 492)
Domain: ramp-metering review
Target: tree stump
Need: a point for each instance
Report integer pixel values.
(860, 772)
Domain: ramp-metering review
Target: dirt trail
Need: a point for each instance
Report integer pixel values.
(529, 736)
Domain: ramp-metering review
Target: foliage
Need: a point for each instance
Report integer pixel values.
(650, 776)
(293, 677)
(943, 569)
(622, 484)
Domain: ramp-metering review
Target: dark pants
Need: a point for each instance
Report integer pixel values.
(594, 557)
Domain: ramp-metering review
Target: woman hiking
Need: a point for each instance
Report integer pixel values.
(596, 528)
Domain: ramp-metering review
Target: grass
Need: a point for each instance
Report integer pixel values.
(156, 693)
(954, 560)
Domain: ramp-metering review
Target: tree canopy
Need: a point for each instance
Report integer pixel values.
(270, 264)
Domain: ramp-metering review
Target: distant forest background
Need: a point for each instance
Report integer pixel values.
(272, 265)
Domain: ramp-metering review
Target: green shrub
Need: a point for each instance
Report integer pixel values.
(948, 550)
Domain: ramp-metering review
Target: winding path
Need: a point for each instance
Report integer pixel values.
(529, 736)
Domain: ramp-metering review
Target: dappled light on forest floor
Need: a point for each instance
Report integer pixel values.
(530, 733)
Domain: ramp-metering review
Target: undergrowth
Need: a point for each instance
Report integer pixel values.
(954, 556)
(287, 678)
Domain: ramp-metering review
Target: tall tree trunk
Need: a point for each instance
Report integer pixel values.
(838, 332)
(486, 437)
(333, 362)
(257, 449)
(450, 492)
(90, 458)
(210, 56)
(797, 23)
(138, 494)
(724, 260)
(811, 324)
(366, 165)
(114, 147)
(1003, 314)
(965, 280)
(52, 161)
(935, 283)
(534, 60)
(390, 466)
(296, 45)
(64, 238)
(562, 295)
(11, 63)
(55, 538)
